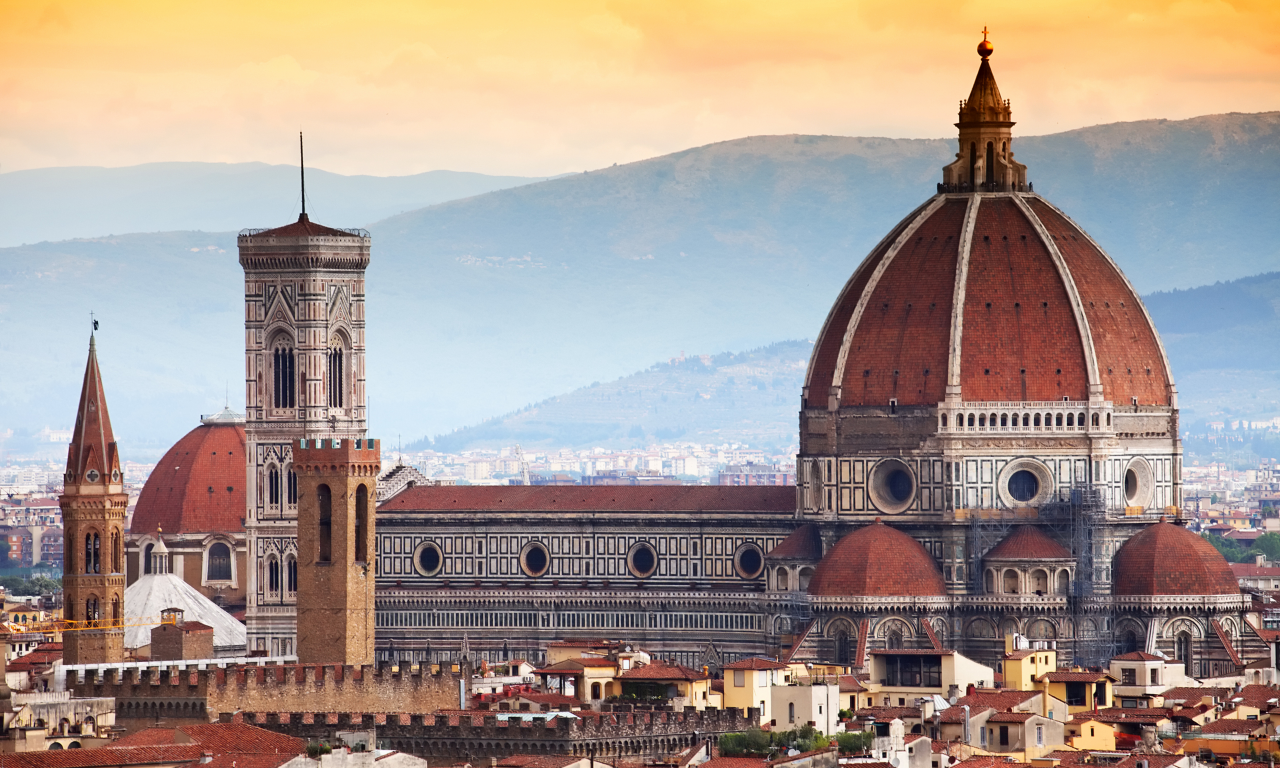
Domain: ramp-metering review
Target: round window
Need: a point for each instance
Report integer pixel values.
(1023, 485)
(428, 559)
(1139, 483)
(534, 559)
(893, 486)
(92, 476)
(748, 561)
(115, 475)
(1130, 485)
(642, 560)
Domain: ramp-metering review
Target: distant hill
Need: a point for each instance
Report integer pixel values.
(64, 203)
(750, 397)
(481, 306)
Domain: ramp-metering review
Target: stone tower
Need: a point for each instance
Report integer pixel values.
(337, 492)
(94, 505)
(305, 380)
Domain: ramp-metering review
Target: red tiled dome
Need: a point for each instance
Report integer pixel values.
(1028, 542)
(199, 485)
(877, 561)
(1030, 326)
(1167, 559)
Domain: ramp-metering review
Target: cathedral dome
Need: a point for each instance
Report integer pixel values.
(199, 485)
(1001, 297)
(877, 561)
(1167, 559)
(987, 293)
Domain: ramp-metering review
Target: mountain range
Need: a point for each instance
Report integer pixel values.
(485, 305)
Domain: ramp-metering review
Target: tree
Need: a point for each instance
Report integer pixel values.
(852, 742)
(1230, 550)
(1269, 545)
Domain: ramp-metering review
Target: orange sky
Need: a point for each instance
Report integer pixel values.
(531, 87)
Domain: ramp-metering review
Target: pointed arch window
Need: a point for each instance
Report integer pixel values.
(273, 486)
(273, 575)
(117, 553)
(285, 377)
(291, 492)
(335, 371)
(92, 553)
(291, 574)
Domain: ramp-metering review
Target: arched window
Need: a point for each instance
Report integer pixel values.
(1071, 419)
(291, 574)
(991, 162)
(273, 485)
(325, 497)
(117, 553)
(285, 377)
(1010, 582)
(1095, 419)
(894, 639)
(219, 562)
(971, 419)
(292, 495)
(91, 609)
(1037, 420)
(782, 583)
(1040, 582)
(1182, 650)
(982, 420)
(1004, 419)
(1058, 421)
(1026, 419)
(273, 575)
(944, 421)
(335, 378)
(990, 582)
(595, 691)
(805, 575)
(146, 558)
(362, 523)
(842, 648)
(1080, 419)
(1129, 641)
(993, 420)
(1064, 582)
(92, 553)
(973, 162)
(115, 609)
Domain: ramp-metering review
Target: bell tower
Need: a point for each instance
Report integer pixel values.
(94, 505)
(304, 379)
(337, 493)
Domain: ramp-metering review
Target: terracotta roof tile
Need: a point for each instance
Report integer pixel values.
(1028, 542)
(1167, 559)
(304, 227)
(1138, 656)
(804, 543)
(661, 672)
(1231, 725)
(106, 757)
(554, 498)
(754, 662)
(877, 561)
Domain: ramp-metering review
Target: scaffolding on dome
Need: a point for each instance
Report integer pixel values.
(1072, 516)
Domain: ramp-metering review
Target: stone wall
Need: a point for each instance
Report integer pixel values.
(142, 696)
(480, 735)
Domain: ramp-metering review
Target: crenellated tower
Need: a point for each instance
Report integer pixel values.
(305, 380)
(337, 493)
(94, 505)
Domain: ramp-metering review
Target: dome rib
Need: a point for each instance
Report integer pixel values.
(877, 561)
(1073, 294)
(1114, 347)
(956, 341)
(855, 319)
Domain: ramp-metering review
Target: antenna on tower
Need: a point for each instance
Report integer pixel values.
(302, 170)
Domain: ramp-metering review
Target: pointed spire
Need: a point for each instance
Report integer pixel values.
(985, 103)
(91, 457)
(302, 171)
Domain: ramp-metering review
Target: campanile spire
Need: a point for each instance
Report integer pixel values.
(93, 506)
(984, 162)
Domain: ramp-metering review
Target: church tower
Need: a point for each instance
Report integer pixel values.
(304, 380)
(337, 493)
(94, 505)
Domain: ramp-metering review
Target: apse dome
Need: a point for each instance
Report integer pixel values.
(877, 561)
(1167, 559)
(199, 485)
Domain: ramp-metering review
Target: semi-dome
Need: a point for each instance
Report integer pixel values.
(1028, 542)
(199, 485)
(877, 561)
(1167, 559)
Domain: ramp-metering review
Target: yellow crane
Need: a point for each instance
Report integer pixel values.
(74, 625)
